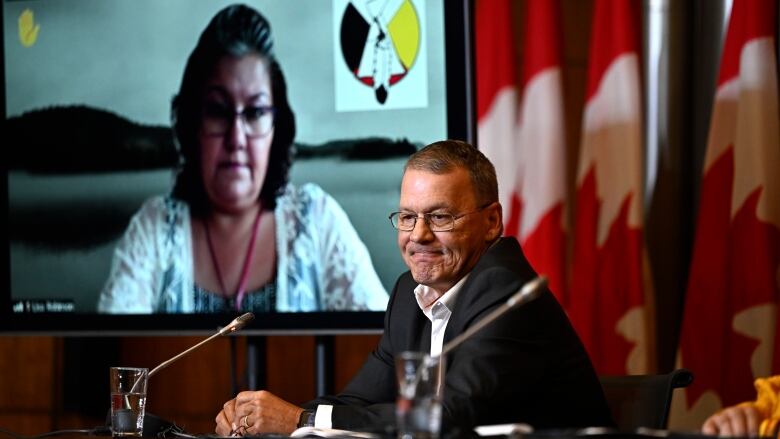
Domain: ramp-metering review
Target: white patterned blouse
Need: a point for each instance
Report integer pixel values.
(322, 265)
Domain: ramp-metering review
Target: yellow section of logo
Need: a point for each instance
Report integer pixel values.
(405, 30)
(28, 28)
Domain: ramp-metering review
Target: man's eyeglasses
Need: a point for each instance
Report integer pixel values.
(257, 121)
(437, 221)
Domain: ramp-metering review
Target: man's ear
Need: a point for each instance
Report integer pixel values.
(495, 221)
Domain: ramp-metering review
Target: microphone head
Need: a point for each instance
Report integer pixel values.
(243, 319)
(529, 291)
(237, 323)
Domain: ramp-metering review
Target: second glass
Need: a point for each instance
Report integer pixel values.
(418, 407)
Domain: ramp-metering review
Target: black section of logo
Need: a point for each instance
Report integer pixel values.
(354, 32)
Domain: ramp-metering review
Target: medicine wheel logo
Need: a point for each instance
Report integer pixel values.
(380, 41)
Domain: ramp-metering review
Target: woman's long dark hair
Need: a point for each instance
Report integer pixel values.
(237, 30)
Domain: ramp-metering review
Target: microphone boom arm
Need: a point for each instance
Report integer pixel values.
(231, 327)
(237, 323)
(168, 362)
(529, 291)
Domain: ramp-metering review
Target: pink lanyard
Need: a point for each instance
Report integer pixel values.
(250, 253)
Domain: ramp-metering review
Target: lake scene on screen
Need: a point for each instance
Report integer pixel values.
(83, 76)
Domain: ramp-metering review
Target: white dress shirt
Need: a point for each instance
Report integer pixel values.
(438, 309)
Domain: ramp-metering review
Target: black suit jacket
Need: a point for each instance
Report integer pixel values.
(528, 366)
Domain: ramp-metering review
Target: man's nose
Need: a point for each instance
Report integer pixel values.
(421, 231)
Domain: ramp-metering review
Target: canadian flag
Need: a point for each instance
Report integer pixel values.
(607, 302)
(729, 332)
(525, 142)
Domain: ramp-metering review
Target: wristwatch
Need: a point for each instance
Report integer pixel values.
(307, 418)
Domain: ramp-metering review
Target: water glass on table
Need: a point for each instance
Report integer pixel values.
(418, 407)
(128, 400)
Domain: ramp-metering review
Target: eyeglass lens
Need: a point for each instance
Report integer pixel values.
(405, 221)
(256, 120)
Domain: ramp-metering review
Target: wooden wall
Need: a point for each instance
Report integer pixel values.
(43, 387)
(28, 389)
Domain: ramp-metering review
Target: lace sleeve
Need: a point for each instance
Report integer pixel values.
(132, 280)
(348, 276)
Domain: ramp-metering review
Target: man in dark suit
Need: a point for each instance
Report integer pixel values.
(528, 366)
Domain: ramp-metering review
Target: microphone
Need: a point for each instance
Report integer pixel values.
(157, 424)
(528, 292)
(237, 323)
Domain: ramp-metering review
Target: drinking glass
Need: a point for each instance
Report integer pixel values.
(418, 407)
(128, 400)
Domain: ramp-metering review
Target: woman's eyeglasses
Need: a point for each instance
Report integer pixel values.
(256, 121)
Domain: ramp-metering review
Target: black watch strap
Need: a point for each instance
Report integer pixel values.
(307, 418)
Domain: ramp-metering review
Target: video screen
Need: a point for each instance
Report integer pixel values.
(88, 92)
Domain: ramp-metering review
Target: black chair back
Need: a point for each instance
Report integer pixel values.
(642, 400)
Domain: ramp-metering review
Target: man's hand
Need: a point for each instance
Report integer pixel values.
(224, 419)
(252, 413)
(739, 420)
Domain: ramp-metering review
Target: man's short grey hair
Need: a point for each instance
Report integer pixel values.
(447, 155)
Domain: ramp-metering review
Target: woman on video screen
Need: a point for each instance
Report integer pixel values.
(235, 235)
